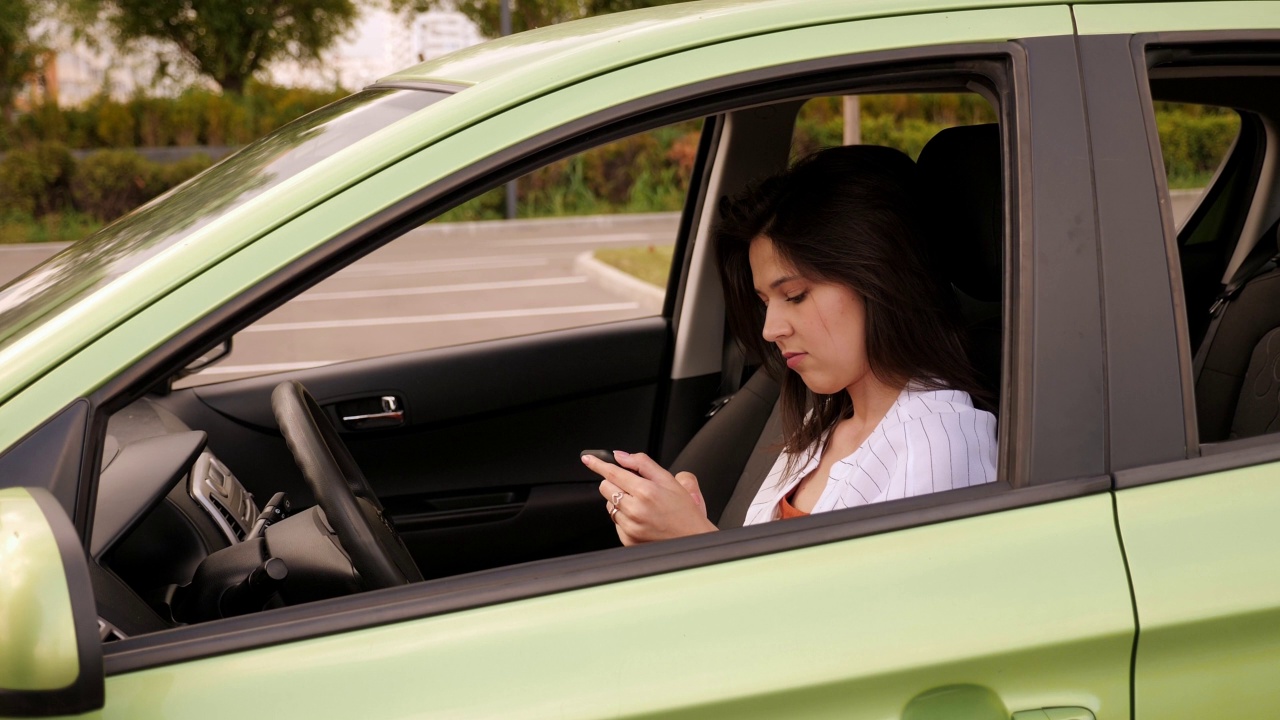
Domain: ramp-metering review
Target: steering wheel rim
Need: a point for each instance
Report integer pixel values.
(342, 491)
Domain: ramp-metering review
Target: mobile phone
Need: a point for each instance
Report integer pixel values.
(605, 455)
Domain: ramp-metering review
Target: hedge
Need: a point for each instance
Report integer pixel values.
(44, 180)
(196, 117)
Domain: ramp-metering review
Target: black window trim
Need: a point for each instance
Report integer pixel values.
(1008, 61)
(1200, 458)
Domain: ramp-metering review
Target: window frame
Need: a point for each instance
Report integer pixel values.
(1169, 456)
(1028, 369)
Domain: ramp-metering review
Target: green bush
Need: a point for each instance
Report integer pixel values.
(1194, 140)
(109, 183)
(36, 180)
(154, 118)
(170, 175)
(115, 125)
(16, 227)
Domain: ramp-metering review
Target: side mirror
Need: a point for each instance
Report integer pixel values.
(50, 651)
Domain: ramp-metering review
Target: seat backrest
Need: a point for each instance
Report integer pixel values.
(721, 451)
(1236, 361)
(960, 175)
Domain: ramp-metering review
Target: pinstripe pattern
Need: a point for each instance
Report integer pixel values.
(929, 441)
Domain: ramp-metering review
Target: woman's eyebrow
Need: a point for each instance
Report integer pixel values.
(781, 280)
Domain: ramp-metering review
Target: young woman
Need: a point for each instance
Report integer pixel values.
(827, 285)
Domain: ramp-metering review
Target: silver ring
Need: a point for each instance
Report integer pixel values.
(617, 499)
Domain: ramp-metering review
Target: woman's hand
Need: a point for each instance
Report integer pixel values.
(654, 504)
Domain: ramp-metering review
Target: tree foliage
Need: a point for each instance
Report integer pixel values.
(228, 40)
(19, 55)
(528, 14)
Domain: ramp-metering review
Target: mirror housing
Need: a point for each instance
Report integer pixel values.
(50, 651)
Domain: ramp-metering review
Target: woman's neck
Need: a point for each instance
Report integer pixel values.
(871, 399)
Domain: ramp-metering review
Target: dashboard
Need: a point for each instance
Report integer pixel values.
(165, 503)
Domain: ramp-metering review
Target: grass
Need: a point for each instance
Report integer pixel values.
(650, 263)
(18, 227)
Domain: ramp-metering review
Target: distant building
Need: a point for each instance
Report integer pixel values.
(380, 43)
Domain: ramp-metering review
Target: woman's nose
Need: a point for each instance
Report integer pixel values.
(775, 326)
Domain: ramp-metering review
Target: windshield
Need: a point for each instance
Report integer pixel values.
(104, 256)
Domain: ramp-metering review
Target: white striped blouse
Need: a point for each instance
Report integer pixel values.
(929, 441)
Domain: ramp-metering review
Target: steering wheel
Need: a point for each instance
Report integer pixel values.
(376, 551)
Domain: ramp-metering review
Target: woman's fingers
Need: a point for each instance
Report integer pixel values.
(644, 466)
(622, 479)
(689, 482)
(646, 502)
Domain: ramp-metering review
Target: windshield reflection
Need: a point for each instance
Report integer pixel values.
(111, 252)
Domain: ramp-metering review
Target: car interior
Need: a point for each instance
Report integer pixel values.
(229, 498)
(1227, 252)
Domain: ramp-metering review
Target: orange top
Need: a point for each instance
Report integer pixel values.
(788, 510)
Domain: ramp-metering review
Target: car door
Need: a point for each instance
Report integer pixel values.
(1195, 503)
(468, 342)
(982, 603)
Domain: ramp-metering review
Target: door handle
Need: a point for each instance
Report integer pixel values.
(1055, 713)
(391, 414)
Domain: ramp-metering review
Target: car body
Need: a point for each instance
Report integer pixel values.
(1121, 567)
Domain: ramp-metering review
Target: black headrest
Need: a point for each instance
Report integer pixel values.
(959, 172)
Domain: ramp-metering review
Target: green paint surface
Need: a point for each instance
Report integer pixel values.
(1029, 606)
(37, 634)
(1203, 556)
(1105, 19)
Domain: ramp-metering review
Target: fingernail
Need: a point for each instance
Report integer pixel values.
(621, 453)
(586, 459)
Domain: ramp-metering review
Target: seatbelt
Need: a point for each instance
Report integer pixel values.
(1251, 268)
(763, 456)
(733, 363)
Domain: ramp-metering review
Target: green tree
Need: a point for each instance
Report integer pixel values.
(528, 14)
(227, 40)
(19, 54)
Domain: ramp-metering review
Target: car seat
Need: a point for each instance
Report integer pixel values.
(1237, 367)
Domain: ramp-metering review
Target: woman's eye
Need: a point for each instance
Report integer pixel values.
(798, 298)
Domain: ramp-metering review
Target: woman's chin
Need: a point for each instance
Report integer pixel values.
(821, 386)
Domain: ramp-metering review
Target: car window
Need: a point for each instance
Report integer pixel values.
(1219, 164)
(1194, 141)
(580, 241)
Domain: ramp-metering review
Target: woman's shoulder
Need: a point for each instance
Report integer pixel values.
(915, 403)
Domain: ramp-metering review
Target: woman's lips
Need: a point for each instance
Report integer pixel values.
(794, 358)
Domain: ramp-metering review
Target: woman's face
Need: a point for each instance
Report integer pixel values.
(819, 327)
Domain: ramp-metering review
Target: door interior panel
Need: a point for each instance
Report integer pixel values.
(486, 463)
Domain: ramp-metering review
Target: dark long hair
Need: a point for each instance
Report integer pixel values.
(849, 216)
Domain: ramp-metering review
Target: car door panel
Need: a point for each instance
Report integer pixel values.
(1029, 607)
(1202, 553)
(487, 461)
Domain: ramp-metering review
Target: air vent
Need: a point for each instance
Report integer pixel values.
(233, 522)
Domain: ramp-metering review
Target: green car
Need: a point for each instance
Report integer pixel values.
(163, 556)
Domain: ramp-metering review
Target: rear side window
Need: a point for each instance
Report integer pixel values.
(1223, 193)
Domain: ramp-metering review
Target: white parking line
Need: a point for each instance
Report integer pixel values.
(588, 240)
(441, 265)
(436, 289)
(264, 367)
(448, 317)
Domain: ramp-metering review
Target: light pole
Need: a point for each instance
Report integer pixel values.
(504, 25)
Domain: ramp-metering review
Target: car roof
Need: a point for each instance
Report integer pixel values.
(604, 42)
